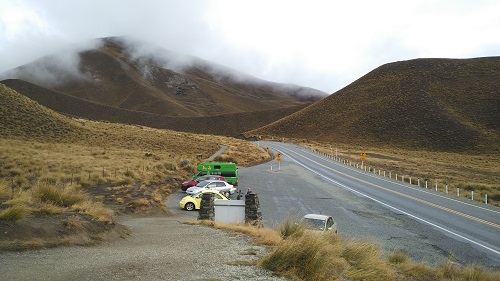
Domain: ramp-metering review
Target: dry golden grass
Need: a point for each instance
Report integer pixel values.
(96, 210)
(306, 255)
(15, 212)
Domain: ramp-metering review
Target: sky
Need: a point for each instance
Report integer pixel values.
(322, 44)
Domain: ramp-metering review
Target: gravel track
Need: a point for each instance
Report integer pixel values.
(159, 248)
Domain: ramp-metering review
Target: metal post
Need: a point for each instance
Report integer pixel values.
(384, 173)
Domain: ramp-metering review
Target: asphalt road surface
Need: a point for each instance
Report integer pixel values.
(429, 226)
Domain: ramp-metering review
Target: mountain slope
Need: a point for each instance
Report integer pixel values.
(119, 73)
(435, 104)
(225, 124)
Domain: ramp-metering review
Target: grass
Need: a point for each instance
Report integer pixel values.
(305, 255)
(15, 212)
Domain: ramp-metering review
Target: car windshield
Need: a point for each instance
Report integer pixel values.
(314, 223)
(202, 183)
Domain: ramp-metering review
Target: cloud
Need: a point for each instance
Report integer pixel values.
(321, 44)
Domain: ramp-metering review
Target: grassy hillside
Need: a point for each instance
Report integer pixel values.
(224, 124)
(118, 74)
(80, 172)
(424, 104)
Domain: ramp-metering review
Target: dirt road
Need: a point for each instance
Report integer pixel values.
(159, 248)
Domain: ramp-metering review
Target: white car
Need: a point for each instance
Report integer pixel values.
(221, 186)
(319, 222)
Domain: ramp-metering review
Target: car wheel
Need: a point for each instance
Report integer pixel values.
(189, 206)
(227, 194)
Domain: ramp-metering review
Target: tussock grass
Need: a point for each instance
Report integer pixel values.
(301, 254)
(15, 212)
(63, 197)
(96, 209)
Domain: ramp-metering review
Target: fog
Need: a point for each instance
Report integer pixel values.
(319, 44)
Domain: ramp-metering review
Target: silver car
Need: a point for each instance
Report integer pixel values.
(319, 222)
(221, 186)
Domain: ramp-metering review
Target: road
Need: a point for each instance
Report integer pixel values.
(430, 226)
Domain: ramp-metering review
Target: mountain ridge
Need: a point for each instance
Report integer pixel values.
(118, 73)
(434, 104)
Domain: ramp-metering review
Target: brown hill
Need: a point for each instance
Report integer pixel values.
(225, 124)
(119, 74)
(433, 104)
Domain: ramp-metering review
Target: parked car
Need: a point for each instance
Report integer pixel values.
(221, 186)
(192, 182)
(319, 222)
(193, 202)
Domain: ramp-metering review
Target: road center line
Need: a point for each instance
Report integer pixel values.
(387, 205)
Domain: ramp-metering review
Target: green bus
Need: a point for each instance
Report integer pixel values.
(227, 170)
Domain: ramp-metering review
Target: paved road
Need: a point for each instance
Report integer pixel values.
(427, 225)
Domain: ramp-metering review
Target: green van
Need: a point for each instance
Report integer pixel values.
(227, 170)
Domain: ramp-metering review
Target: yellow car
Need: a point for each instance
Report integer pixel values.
(193, 202)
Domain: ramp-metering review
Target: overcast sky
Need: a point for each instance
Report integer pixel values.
(320, 44)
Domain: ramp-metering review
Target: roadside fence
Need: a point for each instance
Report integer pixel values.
(406, 179)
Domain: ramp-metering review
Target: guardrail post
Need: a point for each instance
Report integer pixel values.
(472, 195)
(410, 180)
(486, 199)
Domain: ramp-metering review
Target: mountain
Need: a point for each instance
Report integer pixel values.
(224, 124)
(121, 73)
(432, 104)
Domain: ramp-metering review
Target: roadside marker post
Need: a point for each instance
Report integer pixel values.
(278, 158)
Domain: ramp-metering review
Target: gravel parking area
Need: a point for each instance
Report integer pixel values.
(160, 248)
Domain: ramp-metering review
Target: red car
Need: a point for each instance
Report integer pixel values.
(187, 184)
